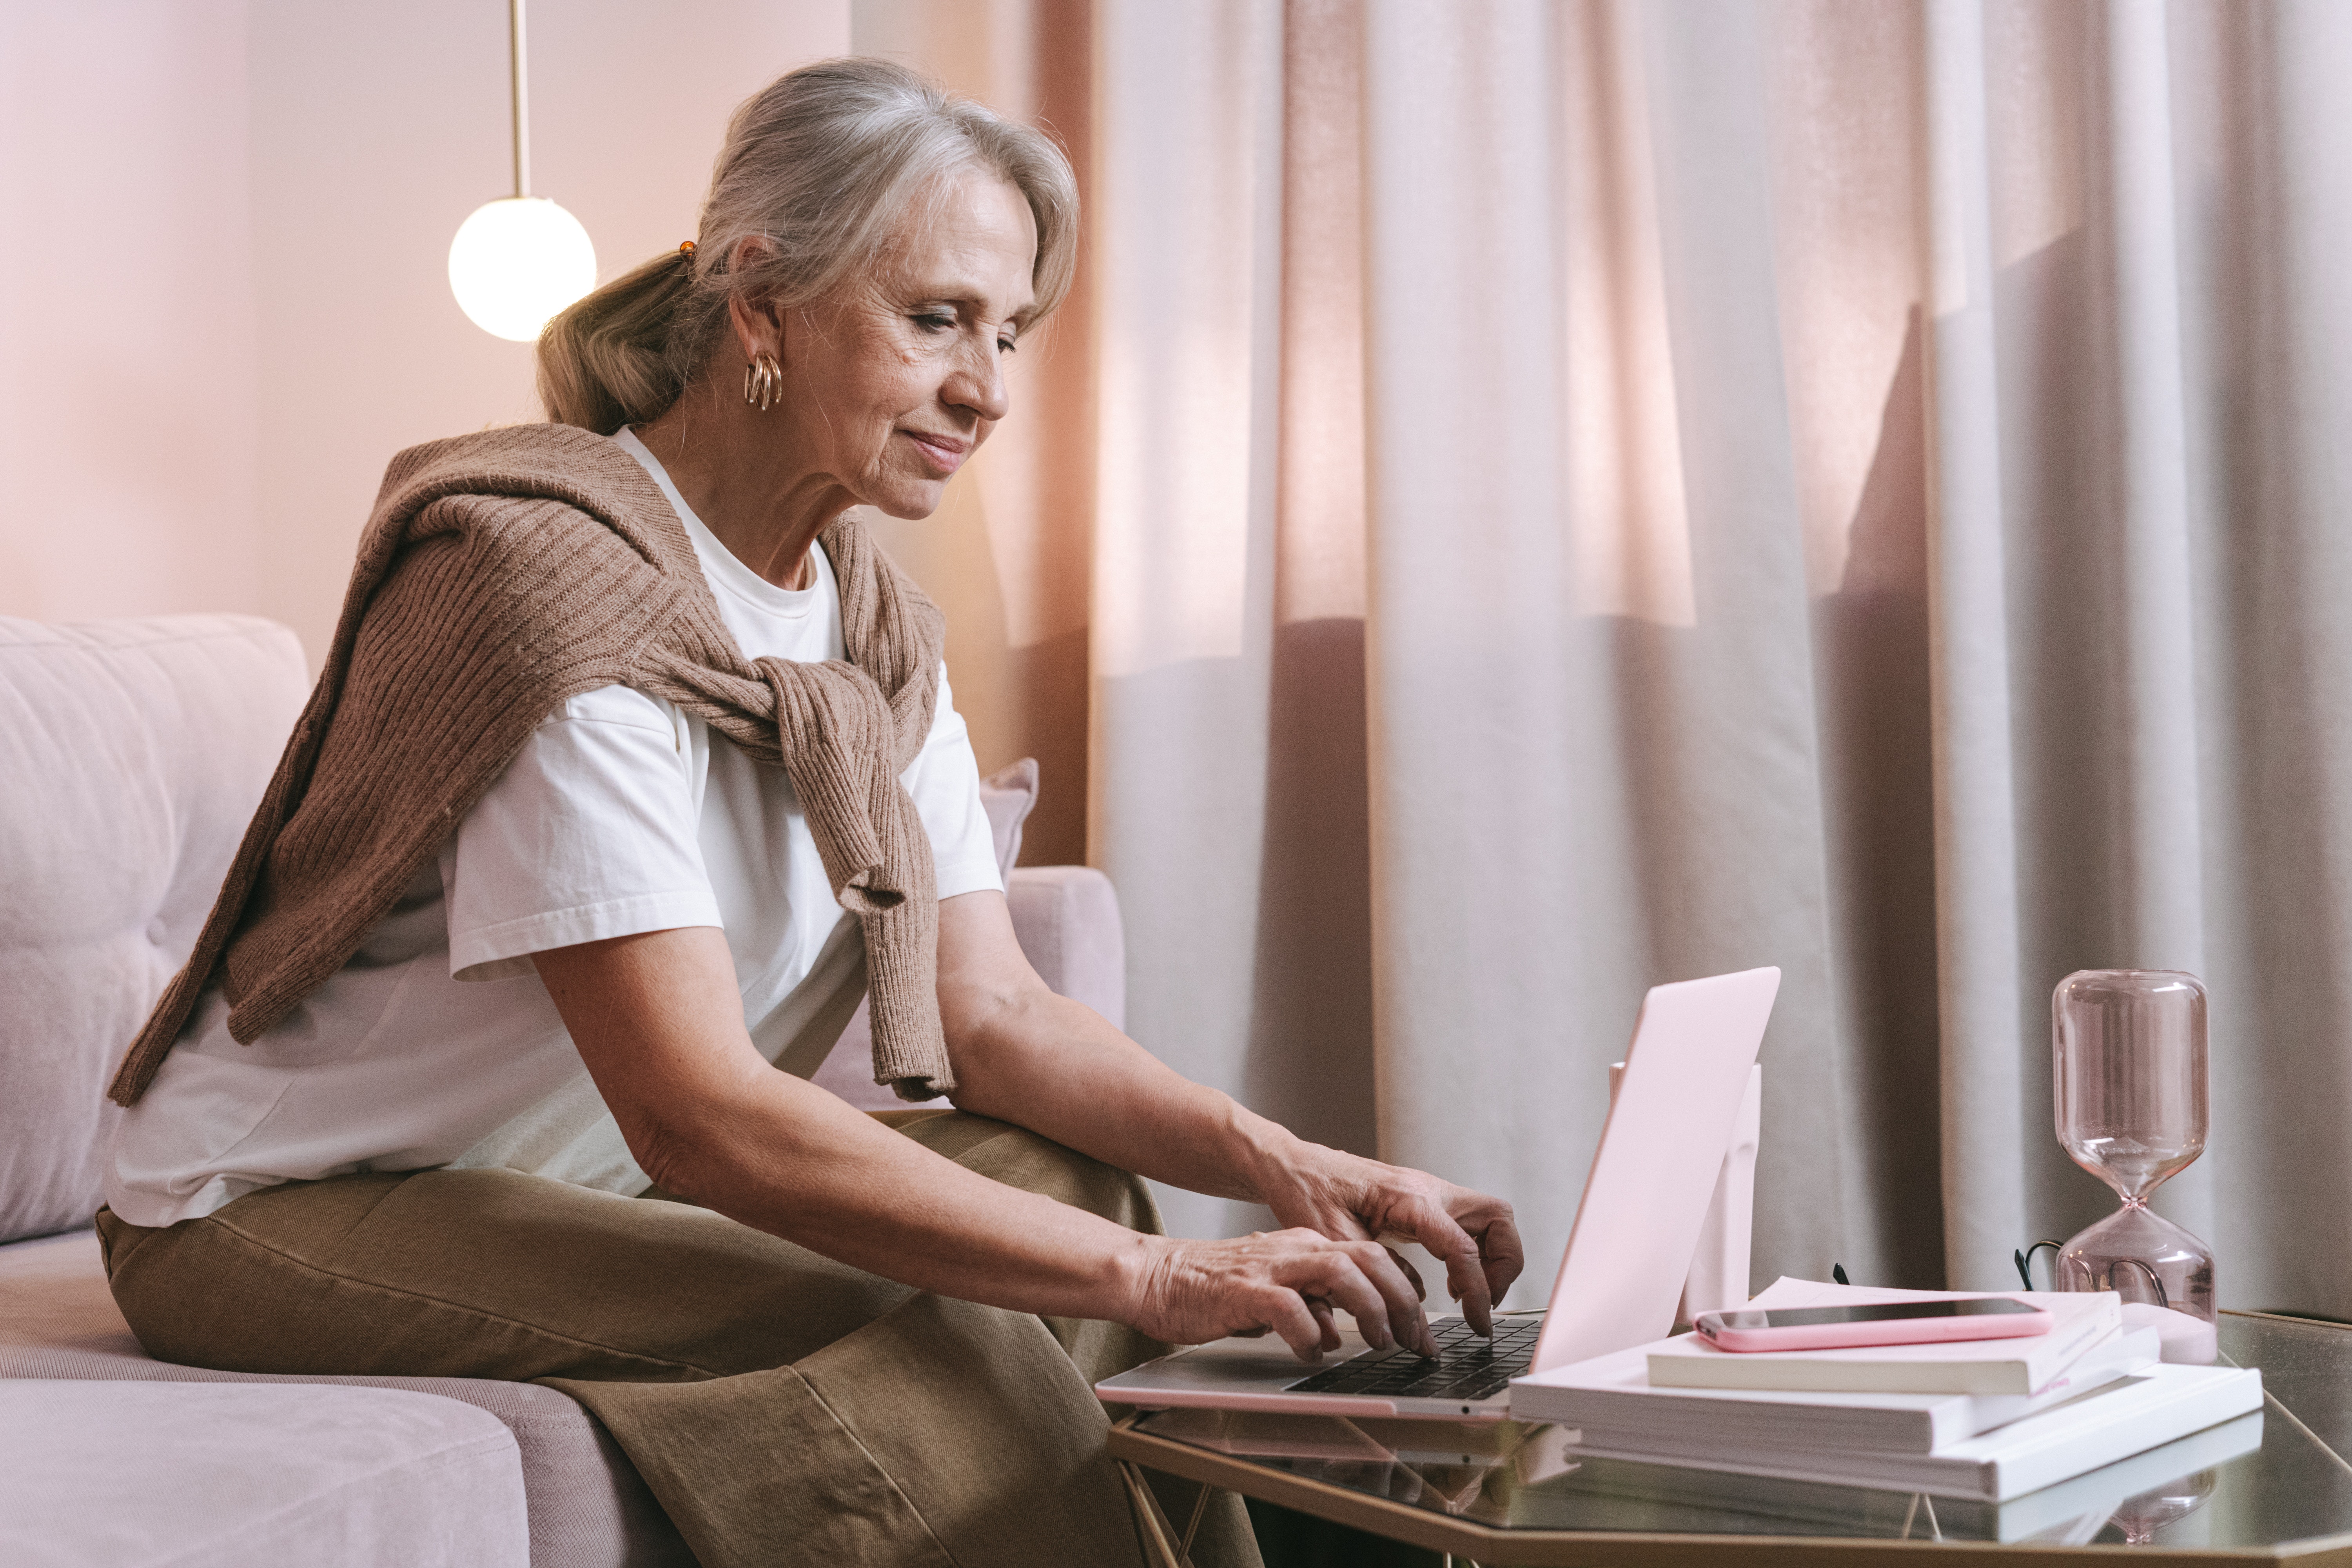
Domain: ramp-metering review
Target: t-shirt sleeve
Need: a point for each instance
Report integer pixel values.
(589, 834)
(944, 780)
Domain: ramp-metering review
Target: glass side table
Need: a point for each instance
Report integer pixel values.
(2271, 1487)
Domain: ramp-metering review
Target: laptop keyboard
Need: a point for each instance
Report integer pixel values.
(1466, 1367)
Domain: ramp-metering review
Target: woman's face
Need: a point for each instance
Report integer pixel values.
(892, 385)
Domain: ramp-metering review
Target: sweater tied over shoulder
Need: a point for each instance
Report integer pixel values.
(500, 574)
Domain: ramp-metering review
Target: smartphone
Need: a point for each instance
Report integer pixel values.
(1887, 1323)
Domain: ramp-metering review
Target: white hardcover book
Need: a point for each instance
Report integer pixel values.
(2011, 1366)
(2069, 1512)
(1612, 1395)
(2127, 1417)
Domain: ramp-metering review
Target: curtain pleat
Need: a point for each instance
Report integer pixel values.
(1986, 1077)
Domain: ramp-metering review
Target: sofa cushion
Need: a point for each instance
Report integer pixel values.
(253, 1475)
(588, 1506)
(132, 755)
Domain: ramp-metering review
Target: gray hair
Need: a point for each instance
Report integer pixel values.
(824, 165)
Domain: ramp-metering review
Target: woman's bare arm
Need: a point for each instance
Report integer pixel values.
(1023, 1054)
(657, 1020)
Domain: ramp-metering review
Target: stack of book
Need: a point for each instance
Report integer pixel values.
(1985, 1419)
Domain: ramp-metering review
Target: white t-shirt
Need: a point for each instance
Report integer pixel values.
(436, 1044)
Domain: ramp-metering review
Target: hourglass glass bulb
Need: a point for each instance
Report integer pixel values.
(2129, 1071)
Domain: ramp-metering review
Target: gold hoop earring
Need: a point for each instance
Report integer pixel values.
(763, 382)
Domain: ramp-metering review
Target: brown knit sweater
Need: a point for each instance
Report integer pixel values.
(500, 574)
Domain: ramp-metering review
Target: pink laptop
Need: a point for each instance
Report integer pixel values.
(1637, 1226)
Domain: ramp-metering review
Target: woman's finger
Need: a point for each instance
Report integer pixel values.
(1498, 1245)
(1380, 1265)
(1284, 1311)
(1491, 1221)
(1410, 1272)
(1364, 1281)
(1465, 1278)
(1334, 1275)
(1322, 1310)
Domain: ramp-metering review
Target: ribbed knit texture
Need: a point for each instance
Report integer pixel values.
(500, 574)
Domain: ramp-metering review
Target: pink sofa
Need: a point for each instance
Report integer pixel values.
(131, 753)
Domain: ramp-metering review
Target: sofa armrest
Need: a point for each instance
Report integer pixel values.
(1067, 919)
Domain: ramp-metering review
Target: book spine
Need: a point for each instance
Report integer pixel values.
(1534, 1401)
(1698, 1429)
(1974, 1480)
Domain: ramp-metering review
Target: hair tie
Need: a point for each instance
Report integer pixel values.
(686, 247)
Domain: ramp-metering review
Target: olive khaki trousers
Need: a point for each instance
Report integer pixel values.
(784, 1408)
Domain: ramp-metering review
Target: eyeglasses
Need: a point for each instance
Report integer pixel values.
(2024, 1258)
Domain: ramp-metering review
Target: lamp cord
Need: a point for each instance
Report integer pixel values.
(521, 99)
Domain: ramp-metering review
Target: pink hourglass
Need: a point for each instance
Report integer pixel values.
(2128, 1058)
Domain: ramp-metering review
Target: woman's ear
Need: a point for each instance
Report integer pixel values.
(757, 326)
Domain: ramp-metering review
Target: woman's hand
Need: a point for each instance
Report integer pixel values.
(1289, 1281)
(1351, 1198)
(1042, 1062)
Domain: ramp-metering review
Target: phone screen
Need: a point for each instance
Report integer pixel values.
(1811, 1317)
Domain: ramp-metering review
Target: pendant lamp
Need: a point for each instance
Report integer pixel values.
(518, 260)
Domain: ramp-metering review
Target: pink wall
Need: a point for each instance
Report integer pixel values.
(126, 313)
(249, 311)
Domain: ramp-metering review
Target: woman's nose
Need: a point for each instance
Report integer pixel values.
(977, 384)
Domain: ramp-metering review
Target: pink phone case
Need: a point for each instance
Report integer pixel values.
(1886, 1331)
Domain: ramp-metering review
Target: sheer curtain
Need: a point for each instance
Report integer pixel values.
(1539, 498)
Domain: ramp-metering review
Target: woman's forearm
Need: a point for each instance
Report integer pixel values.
(1027, 1056)
(657, 1022)
(788, 1158)
(1058, 1068)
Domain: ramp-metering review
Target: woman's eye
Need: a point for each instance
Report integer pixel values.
(934, 322)
(1006, 345)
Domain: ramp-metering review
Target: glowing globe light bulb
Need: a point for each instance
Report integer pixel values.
(518, 261)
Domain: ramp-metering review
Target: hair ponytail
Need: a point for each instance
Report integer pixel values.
(821, 164)
(605, 360)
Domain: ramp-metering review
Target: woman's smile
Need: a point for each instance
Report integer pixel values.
(942, 454)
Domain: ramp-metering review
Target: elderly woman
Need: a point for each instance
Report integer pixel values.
(632, 765)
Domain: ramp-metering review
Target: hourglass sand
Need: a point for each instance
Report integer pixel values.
(2128, 1058)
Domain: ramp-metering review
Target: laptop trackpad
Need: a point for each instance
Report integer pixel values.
(1263, 1363)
